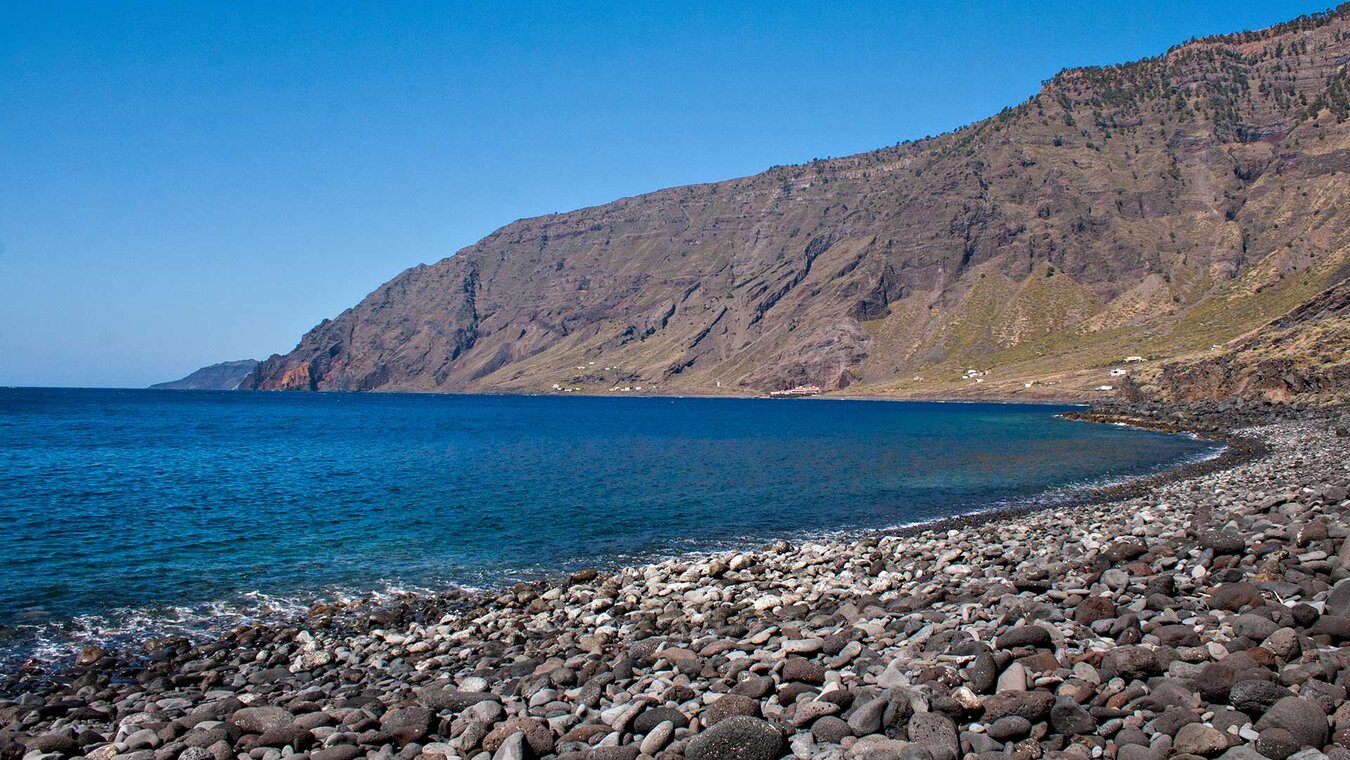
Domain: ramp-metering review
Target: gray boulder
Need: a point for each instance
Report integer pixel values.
(1302, 718)
(739, 737)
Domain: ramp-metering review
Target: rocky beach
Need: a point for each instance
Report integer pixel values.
(1196, 616)
(557, 492)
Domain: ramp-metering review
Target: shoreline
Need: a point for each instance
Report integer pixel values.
(285, 610)
(583, 633)
(1051, 399)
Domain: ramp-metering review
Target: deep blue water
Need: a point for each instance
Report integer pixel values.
(123, 510)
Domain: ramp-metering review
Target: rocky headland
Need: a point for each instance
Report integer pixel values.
(225, 376)
(1198, 616)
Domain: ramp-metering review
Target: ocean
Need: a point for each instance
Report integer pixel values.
(132, 513)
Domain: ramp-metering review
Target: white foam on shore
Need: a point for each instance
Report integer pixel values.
(58, 641)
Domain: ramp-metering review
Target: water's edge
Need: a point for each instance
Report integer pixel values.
(126, 632)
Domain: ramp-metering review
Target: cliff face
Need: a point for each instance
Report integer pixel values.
(225, 376)
(1155, 208)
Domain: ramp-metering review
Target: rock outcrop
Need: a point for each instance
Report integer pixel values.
(1303, 356)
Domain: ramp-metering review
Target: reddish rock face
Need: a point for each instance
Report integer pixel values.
(1157, 207)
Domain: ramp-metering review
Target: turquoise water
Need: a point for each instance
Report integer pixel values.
(131, 511)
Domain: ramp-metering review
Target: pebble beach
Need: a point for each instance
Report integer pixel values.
(1197, 616)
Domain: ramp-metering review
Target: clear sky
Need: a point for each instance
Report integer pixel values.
(188, 182)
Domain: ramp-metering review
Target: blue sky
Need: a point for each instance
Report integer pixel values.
(184, 183)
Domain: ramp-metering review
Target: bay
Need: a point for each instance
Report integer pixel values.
(129, 512)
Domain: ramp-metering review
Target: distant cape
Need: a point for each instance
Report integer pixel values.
(224, 376)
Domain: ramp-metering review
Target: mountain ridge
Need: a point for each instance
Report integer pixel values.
(1132, 209)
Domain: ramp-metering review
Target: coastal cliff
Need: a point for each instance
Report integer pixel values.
(1151, 209)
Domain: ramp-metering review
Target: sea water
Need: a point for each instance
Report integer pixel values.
(125, 513)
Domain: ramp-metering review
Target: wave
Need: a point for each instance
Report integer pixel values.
(56, 642)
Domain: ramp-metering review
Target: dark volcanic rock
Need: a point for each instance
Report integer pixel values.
(804, 670)
(280, 736)
(1255, 697)
(406, 724)
(1024, 636)
(337, 752)
(257, 720)
(1303, 719)
(653, 716)
(737, 738)
(982, 673)
(937, 734)
(1068, 718)
(1009, 727)
(1131, 662)
(1216, 679)
(1177, 635)
(536, 732)
(1092, 609)
(728, 706)
(1235, 596)
(1126, 550)
(1277, 743)
(1032, 705)
(1335, 627)
(830, 729)
(452, 700)
(1253, 627)
(1223, 541)
(58, 743)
